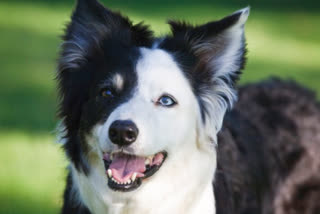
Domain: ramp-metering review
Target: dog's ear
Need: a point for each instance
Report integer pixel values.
(91, 23)
(219, 48)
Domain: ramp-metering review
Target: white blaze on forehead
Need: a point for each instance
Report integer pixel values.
(159, 73)
(117, 81)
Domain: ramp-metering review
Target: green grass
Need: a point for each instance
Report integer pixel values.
(32, 173)
(281, 41)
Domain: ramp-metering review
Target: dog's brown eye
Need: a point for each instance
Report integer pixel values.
(107, 93)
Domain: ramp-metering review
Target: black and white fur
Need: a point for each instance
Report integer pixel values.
(196, 65)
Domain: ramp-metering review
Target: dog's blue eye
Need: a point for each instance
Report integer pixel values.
(166, 101)
(107, 93)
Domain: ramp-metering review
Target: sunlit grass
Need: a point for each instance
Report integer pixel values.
(284, 44)
(31, 175)
(285, 50)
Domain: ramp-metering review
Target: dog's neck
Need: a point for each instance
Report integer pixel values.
(196, 203)
(191, 193)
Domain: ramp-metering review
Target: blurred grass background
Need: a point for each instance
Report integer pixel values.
(283, 40)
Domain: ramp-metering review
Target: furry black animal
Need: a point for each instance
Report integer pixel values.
(268, 150)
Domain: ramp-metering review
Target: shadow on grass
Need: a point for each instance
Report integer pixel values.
(27, 109)
(28, 98)
(17, 204)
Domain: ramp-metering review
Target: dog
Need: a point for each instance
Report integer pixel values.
(143, 120)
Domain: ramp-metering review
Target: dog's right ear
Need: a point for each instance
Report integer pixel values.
(83, 32)
(91, 23)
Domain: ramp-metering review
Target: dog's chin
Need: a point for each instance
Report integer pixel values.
(126, 172)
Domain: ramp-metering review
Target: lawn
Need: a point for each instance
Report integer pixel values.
(282, 42)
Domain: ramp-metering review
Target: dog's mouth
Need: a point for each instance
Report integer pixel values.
(126, 172)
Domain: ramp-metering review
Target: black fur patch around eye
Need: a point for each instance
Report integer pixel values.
(82, 105)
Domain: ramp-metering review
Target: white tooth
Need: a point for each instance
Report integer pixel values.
(151, 159)
(147, 161)
(134, 176)
(129, 181)
(110, 173)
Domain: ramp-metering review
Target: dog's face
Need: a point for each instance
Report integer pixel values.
(134, 114)
(133, 104)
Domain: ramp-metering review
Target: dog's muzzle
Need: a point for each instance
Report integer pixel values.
(126, 172)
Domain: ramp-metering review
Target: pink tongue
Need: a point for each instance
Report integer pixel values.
(123, 166)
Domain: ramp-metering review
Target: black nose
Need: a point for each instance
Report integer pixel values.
(123, 132)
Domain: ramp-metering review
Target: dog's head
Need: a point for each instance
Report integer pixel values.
(133, 104)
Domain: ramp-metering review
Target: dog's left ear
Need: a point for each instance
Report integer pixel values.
(219, 48)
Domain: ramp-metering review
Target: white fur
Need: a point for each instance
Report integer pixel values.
(61, 133)
(74, 55)
(75, 50)
(117, 81)
(234, 35)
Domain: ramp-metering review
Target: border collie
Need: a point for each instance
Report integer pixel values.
(142, 116)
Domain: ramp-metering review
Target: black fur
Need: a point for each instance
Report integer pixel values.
(71, 204)
(268, 152)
